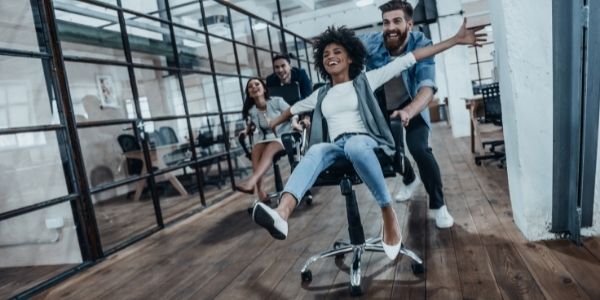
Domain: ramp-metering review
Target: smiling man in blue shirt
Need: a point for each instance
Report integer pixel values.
(406, 98)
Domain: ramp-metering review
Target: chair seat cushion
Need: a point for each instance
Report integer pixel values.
(343, 167)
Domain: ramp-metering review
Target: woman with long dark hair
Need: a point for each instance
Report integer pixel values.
(259, 108)
(355, 125)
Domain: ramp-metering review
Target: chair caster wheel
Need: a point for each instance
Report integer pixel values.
(355, 290)
(478, 162)
(306, 276)
(417, 268)
(309, 200)
(338, 245)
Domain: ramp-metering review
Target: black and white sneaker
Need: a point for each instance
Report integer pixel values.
(268, 218)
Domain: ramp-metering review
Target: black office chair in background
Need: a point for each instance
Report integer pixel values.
(492, 114)
(128, 143)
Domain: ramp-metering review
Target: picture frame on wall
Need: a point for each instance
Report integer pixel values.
(107, 91)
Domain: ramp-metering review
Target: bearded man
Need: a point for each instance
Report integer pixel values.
(406, 98)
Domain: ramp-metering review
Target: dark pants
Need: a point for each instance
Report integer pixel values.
(417, 140)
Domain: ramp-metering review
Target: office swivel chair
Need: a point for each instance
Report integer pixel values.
(492, 114)
(342, 173)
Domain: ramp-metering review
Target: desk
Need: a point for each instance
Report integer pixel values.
(156, 155)
(475, 107)
(476, 110)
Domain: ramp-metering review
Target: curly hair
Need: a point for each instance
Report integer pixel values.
(248, 101)
(346, 38)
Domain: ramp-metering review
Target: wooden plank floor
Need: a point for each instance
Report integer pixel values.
(220, 254)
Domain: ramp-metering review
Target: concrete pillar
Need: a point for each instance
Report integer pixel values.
(525, 76)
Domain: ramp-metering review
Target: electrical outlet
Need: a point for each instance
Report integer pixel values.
(55, 223)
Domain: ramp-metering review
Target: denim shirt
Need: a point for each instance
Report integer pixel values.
(420, 75)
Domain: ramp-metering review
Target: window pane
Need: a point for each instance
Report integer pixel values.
(302, 49)
(192, 49)
(291, 45)
(246, 60)
(261, 36)
(178, 193)
(200, 93)
(121, 216)
(187, 13)
(99, 92)
(241, 27)
(217, 20)
(155, 8)
(24, 92)
(275, 39)
(229, 93)
(486, 69)
(169, 146)
(161, 93)
(266, 64)
(25, 156)
(111, 153)
(150, 41)
(33, 252)
(19, 27)
(209, 142)
(89, 31)
(474, 72)
(309, 49)
(223, 56)
(315, 75)
(486, 52)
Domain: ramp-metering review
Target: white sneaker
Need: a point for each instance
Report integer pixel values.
(406, 192)
(442, 217)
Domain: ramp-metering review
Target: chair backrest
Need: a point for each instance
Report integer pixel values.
(129, 143)
(205, 139)
(317, 85)
(155, 139)
(491, 103)
(168, 135)
(289, 92)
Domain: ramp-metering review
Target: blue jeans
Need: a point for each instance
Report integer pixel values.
(358, 149)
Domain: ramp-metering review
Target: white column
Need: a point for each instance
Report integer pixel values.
(525, 76)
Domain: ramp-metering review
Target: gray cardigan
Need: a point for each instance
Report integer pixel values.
(369, 110)
(275, 106)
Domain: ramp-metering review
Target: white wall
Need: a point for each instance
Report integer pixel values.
(525, 76)
(38, 244)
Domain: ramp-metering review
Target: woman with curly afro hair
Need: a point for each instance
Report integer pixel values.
(355, 125)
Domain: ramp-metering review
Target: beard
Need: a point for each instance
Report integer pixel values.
(394, 44)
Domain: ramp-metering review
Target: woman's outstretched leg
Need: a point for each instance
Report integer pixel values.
(317, 159)
(260, 166)
(359, 150)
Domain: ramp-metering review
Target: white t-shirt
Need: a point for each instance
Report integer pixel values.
(340, 106)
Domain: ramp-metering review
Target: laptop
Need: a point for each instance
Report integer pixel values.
(289, 92)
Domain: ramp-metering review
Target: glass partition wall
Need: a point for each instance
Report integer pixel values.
(116, 118)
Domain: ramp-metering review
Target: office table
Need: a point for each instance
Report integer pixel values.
(156, 155)
(489, 132)
(475, 106)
